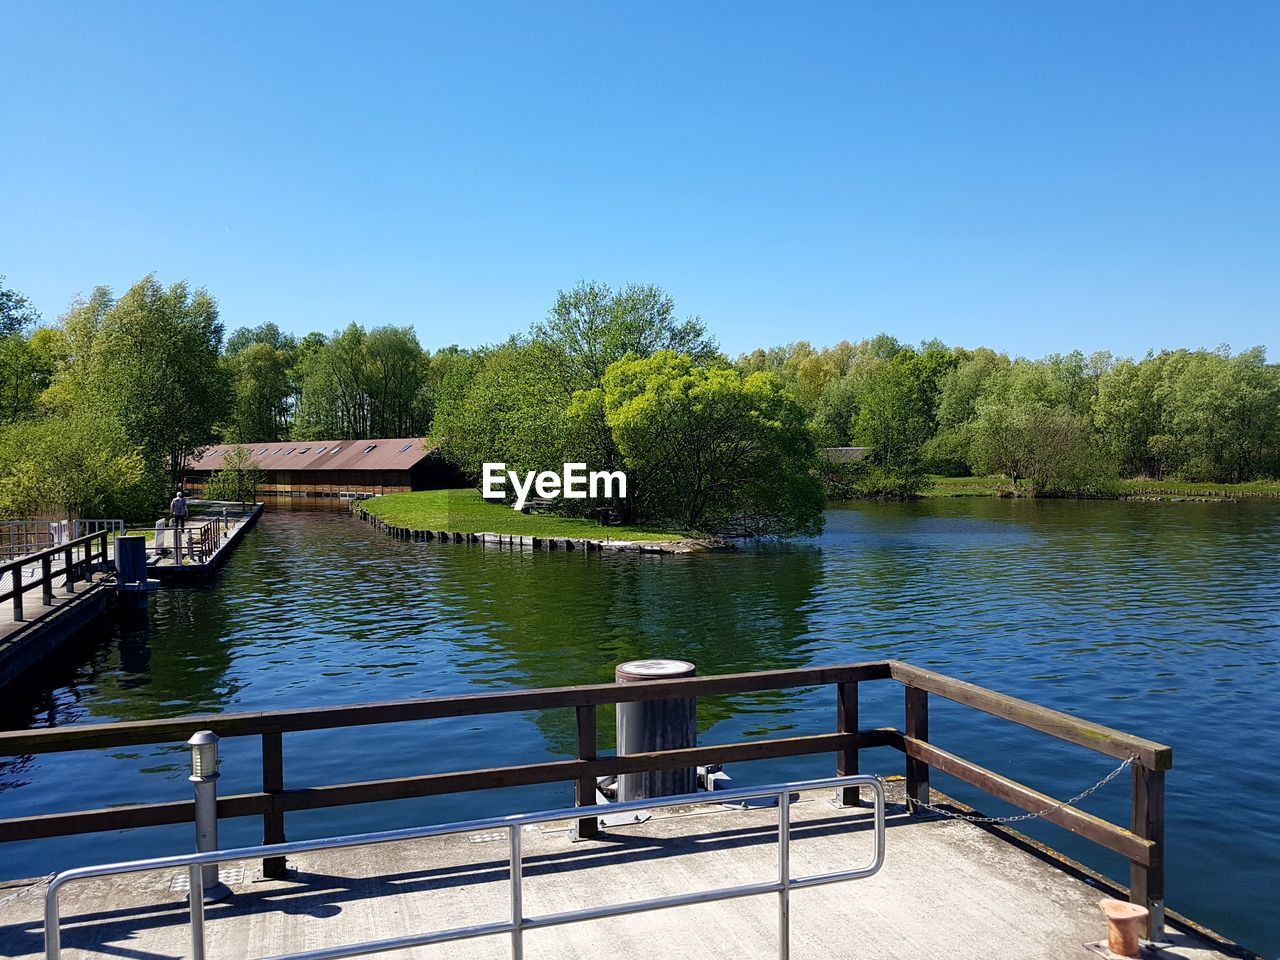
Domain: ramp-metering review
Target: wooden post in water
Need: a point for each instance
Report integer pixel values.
(847, 722)
(1146, 883)
(584, 788)
(917, 727)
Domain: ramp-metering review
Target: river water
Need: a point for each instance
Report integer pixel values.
(1160, 619)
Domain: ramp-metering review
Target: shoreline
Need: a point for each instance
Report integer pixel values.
(1150, 491)
(675, 545)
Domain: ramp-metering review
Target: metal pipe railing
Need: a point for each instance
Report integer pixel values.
(518, 922)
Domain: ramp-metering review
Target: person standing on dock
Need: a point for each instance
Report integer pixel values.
(178, 511)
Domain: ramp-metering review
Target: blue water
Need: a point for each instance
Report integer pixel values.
(1159, 619)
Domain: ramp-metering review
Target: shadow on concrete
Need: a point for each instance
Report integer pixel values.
(322, 895)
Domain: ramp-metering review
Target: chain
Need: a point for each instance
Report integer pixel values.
(29, 888)
(1038, 813)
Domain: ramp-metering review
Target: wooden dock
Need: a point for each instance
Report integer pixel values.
(49, 595)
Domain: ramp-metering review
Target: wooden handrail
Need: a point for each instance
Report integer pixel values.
(1064, 726)
(132, 733)
(30, 558)
(45, 581)
(1142, 844)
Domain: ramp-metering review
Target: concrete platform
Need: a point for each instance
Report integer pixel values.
(948, 890)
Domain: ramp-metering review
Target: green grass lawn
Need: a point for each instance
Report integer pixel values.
(964, 486)
(465, 511)
(1185, 488)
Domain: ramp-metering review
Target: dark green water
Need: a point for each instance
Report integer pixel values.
(1160, 619)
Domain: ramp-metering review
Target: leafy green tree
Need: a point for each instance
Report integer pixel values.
(150, 359)
(16, 312)
(262, 392)
(511, 412)
(395, 369)
(449, 374)
(710, 448)
(591, 326)
(78, 465)
(238, 479)
(1050, 448)
(26, 370)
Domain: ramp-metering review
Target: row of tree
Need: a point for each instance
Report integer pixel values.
(1065, 424)
(99, 411)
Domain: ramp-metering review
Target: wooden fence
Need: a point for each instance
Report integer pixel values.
(1141, 843)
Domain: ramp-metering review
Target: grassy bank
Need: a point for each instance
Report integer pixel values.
(465, 511)
(1168, 489)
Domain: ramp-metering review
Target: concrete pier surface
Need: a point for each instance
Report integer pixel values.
(948, 889)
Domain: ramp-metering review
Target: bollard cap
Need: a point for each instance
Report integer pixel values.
(654, 669)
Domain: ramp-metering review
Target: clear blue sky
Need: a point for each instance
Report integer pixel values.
(1031, 176)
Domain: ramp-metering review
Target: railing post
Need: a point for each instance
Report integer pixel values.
(88, 561)
(69, 571)
(17, 593)
(273, 868)
(46, 580)
(1146, 883)
(847, 722)
(917, 727)
(584, 789)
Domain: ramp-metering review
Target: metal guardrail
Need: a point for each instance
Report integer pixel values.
(82, 528)
(518, 923)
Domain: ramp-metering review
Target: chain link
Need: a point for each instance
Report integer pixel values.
(29, 888)
(954, 815)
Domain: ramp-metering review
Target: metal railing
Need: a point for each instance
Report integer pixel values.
(82, 528)
(518, 923)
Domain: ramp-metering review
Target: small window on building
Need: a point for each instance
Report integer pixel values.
(334, 450)
(369, 448)
(321, 450)
(303, 450)
(261, 452)
(405, 447)
(291, 449)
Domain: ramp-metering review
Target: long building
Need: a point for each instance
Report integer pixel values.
(333, 468)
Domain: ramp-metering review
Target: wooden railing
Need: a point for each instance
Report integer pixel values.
(79, 558)
(1142, 843)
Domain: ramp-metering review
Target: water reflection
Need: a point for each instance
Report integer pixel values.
(1161, 619)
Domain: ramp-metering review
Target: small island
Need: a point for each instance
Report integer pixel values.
(465, 515)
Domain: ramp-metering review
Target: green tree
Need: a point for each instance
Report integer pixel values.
(149, 359)
(710, 448)
(262, 392)
(591, 326)
(511, 412)
(395, 369)
(78, 465)
(16, 312)
(238, 479)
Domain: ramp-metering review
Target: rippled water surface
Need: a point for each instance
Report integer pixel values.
(1160, 619)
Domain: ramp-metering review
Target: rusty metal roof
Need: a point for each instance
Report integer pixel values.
(392, 454)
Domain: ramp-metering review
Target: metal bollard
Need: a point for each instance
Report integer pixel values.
(204, 777)
(645, 726)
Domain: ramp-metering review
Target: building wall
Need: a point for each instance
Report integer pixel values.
(318, 483)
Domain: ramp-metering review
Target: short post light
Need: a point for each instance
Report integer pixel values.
(204, 778)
